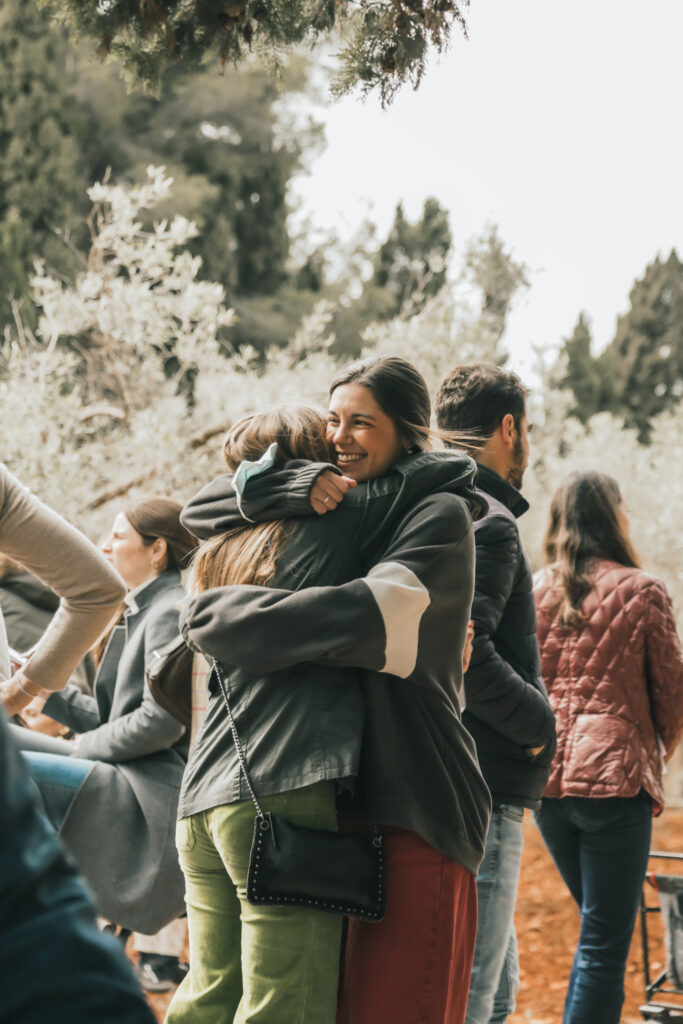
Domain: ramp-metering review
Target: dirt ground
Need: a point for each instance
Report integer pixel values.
(547, 930)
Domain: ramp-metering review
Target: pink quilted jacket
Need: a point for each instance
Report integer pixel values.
(615, 685)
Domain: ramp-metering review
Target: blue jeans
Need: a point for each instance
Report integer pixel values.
(600, 847)
(495, 973)
(57, 775)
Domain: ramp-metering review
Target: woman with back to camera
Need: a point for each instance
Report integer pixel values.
(404, 621)
(112, 794)
(612, 664)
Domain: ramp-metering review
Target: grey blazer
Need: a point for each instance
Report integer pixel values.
(120, 827)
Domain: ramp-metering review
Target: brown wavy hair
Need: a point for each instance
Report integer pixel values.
(584, 526)
(249, 554)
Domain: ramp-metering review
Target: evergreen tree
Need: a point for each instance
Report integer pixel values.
(498, 278)
(387, 41)
(66, 120)
(582, 372)
(43, 176)
(643, 364)
(221, 138)
(412, 261)
(409, 268)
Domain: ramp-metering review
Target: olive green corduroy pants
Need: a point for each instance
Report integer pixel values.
(271, 965)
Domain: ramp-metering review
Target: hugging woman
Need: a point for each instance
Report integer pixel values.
(384, 586)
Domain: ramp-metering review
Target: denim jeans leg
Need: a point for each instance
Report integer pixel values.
(508, 985)
(497, 893)
(58, 779)
(610, 858)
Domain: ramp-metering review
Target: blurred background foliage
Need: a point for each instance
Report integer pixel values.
(129, 348)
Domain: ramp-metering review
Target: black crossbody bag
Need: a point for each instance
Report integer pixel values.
(292, 865)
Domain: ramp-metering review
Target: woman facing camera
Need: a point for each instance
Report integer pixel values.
(112, 793)
(612, 663)
(401, 617)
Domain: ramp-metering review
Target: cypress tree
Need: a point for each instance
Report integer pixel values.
(643, 364)
(583, 374)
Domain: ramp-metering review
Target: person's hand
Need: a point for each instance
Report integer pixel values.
(467, 651)
(12, 698)
(328, 490)
(16, 693)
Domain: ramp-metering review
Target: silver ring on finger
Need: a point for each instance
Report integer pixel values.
(326, 499)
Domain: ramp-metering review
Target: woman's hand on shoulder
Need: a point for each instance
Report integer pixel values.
(328, 491)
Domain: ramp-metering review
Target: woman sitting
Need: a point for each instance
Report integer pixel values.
(113, 793)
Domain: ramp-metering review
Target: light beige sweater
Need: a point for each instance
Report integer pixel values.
(41, 541)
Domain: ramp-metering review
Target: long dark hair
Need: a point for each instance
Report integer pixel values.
(584, 526)
(401, 392)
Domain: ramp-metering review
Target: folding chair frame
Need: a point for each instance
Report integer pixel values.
(666, 1012)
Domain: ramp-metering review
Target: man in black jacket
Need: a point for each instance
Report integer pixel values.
(507, 709)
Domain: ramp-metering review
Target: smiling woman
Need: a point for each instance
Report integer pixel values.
(379, 411)
(366, 441)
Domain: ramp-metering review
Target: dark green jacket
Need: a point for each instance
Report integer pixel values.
(384, 583)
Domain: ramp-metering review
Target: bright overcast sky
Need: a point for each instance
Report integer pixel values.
(562, 123)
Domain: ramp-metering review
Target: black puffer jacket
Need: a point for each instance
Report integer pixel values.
(508, 711)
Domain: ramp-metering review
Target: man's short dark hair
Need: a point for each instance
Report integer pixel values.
(476, 397)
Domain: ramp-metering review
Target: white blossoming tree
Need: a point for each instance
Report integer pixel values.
(137, 310)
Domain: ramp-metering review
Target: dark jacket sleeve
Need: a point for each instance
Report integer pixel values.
(281, 493)
(664, 666)
(149, 727)
(372, 622)
(76, 710)
(495, 692)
